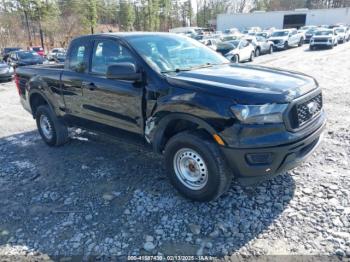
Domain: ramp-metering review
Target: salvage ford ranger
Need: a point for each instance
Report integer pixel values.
(213, 121)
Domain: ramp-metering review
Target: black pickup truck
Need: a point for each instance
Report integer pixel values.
(212, 120)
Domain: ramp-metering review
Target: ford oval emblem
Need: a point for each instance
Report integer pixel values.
(312, 107)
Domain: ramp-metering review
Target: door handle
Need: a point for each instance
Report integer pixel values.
(89, 85)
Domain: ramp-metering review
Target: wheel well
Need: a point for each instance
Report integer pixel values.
(176, 126)
(35, 101)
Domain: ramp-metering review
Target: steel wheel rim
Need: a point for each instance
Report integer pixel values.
(190, 169)
(46, 127)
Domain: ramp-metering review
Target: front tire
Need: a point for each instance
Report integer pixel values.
(51, 129)
(301, 42)
(196, 167)
(235, 59)
(286, 45)
(257, 52)
(271, 50)
(251, 58)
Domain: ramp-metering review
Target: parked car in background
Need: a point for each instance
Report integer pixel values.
(231, 31)
(263, 34)
(309, 33)
(324, 38)
(60, 58)
(6, 71)
(53, 52)
(211, 43)
(39, 50)
(261, 45)
(226, 38)
(253, 29)
(24, 58)
(341, 34)
(237, 50)
(7, 50)
(283, 39)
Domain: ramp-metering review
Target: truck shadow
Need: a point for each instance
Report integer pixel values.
(98, 196)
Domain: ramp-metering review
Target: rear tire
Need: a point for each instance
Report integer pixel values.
(51, 129)
(196, 167)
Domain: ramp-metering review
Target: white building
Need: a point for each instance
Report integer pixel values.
(284, 19)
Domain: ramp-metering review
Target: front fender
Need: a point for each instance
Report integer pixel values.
(156, 126)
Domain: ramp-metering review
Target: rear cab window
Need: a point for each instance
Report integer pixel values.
(78, 56)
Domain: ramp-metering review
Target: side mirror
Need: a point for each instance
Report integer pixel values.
(123, 71)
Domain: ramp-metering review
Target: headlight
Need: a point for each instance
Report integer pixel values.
(259, 114)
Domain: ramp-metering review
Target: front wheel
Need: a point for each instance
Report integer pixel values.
(51, 129)
(196, 167)
(271, 49)
(251, 58)
(257, 52)
(235, 59)
(286, 45)
(301, 42)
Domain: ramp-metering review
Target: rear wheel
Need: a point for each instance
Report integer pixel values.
(52, 130)
(196, 167)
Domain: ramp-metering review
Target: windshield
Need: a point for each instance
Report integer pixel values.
(27, 55)
(340, 30)
(37, 49)
(167, 53)
(229, 38)
(280, 33)
(328, 32)
(228, 44)
(310, 31)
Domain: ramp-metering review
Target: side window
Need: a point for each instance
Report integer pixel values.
(106, 53)
(294, 32)
(77, 57)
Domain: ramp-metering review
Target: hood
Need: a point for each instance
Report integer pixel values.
(321, 36)
(246, 84)
(3, 65)
(278, 38)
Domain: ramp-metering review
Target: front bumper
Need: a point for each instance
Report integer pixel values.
(279, 45)
(326, 43)
(281, 158)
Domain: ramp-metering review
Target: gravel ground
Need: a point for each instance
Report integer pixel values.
(102, 196)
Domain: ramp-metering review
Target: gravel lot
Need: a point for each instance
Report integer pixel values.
(102, 196)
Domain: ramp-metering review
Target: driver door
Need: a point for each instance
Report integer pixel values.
(117, 103)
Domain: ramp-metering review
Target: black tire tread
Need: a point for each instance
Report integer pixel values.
(225, 173)
(61, 135)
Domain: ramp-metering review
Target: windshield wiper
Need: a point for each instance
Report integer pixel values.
(192, 68)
